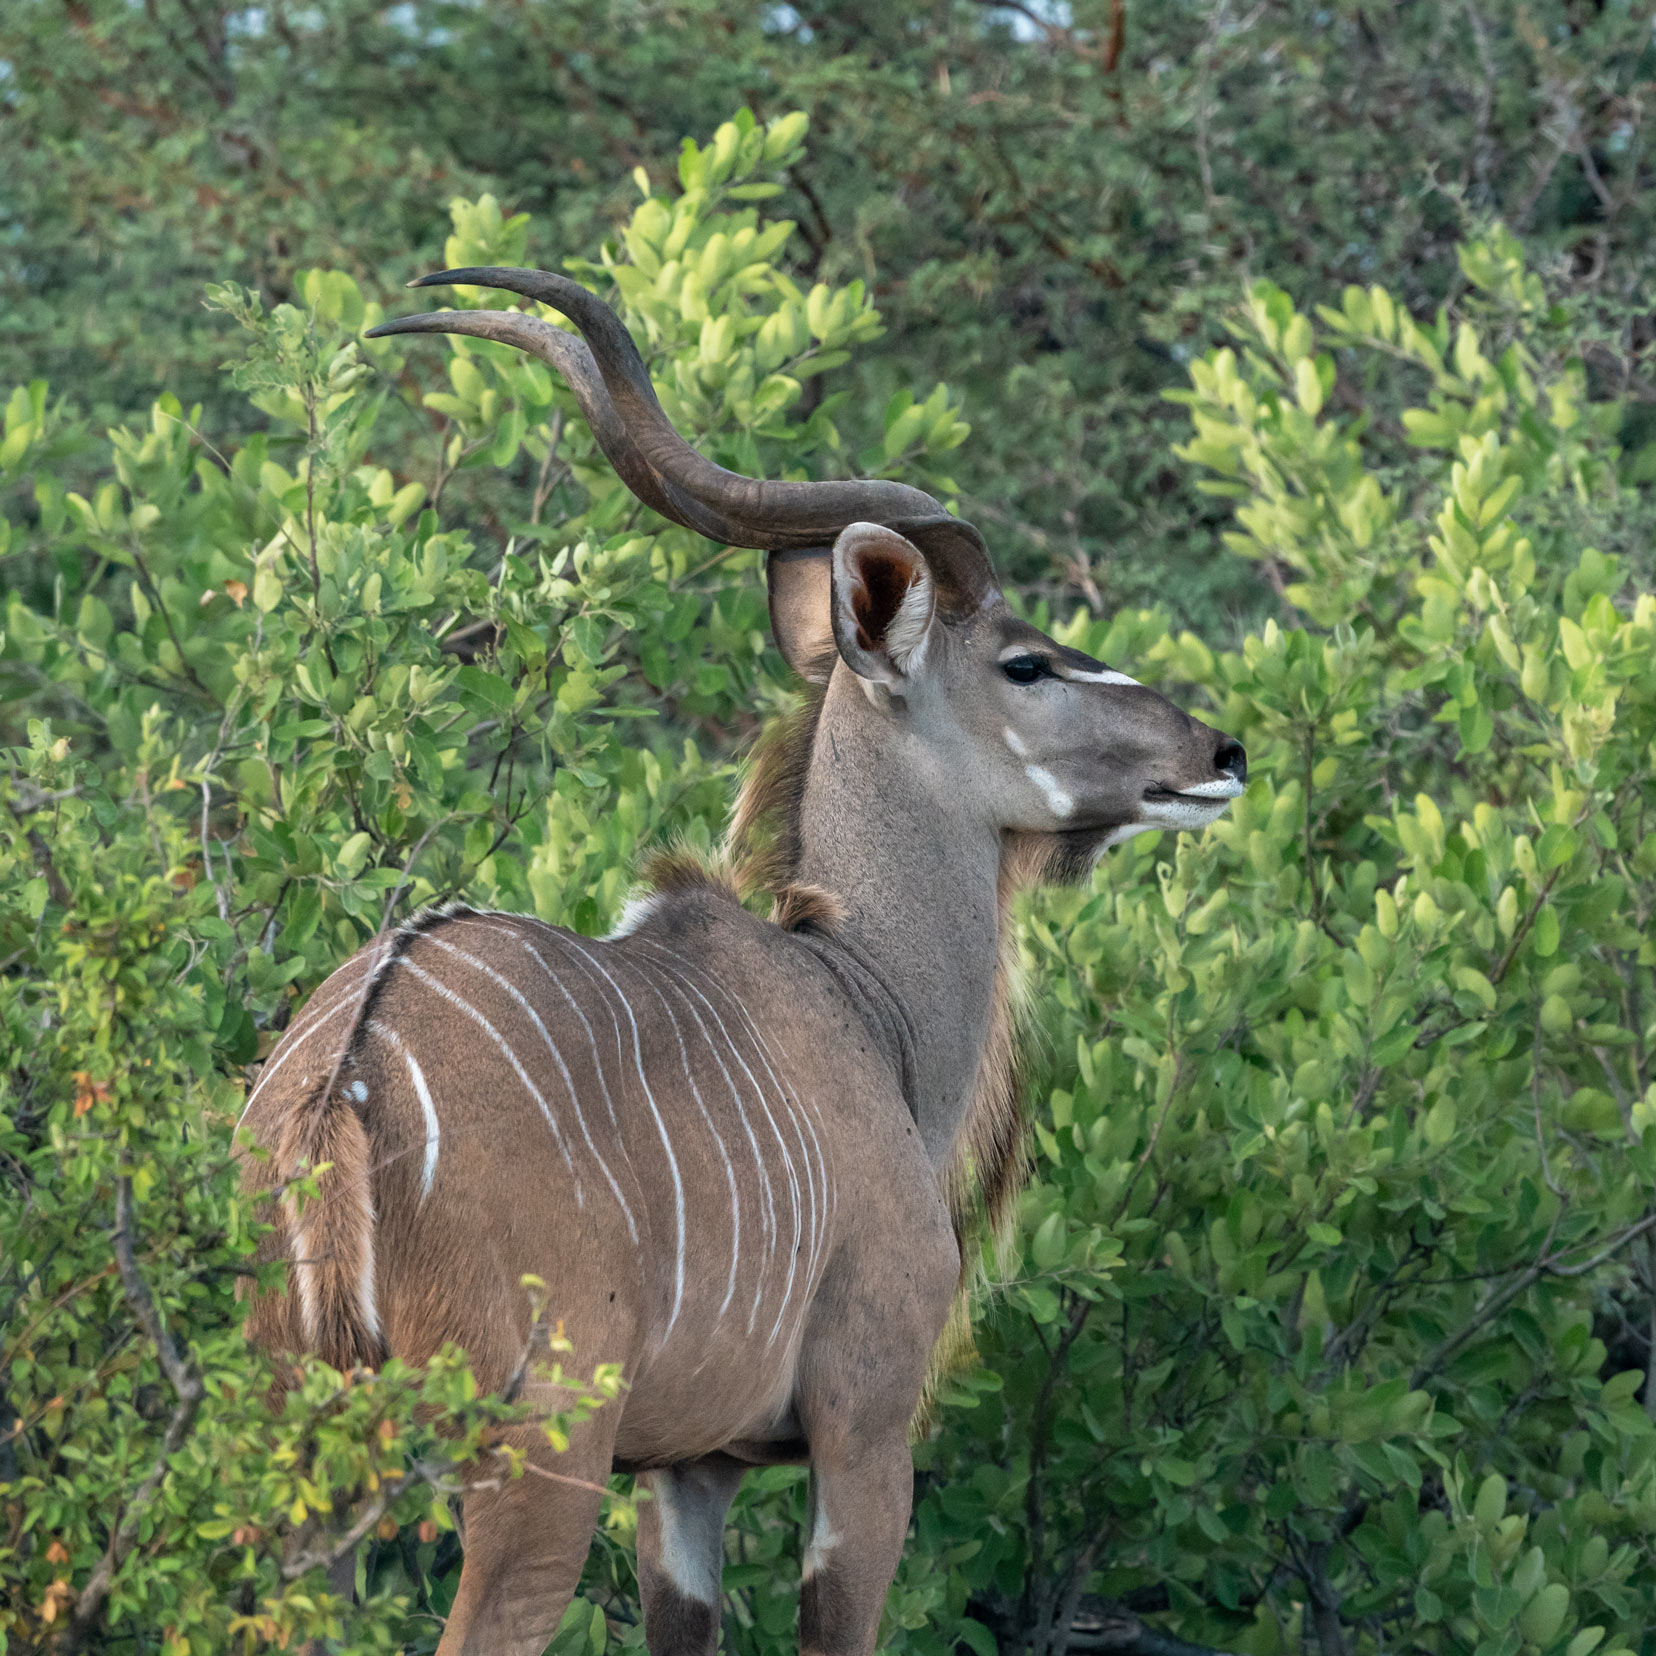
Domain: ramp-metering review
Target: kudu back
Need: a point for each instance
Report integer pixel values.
(735, 1150)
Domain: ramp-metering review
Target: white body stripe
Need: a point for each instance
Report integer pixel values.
(439, 988)
(557, 1057)
(830, 1195)
(428, 1109)
(568, 940)
(769, 1228)
(781, 1134)
(796, 1106)
(800, 1219)
(724, 1155)
(796, 1206)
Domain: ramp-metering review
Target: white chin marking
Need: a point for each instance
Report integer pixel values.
(1106, 677)
(1058, 802)
(1117, 835)
(1190, 814)
(1222, 787)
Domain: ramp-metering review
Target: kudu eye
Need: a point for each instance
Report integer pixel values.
(1025, 669)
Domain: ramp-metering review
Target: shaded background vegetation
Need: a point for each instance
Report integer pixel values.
(1053, 204)
(1328, 1318)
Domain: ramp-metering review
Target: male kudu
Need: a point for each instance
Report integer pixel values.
(736, 1150)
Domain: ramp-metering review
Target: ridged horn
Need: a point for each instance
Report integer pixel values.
(569, 355)
(612, 386)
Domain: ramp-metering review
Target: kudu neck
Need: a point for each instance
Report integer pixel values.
(884, 831)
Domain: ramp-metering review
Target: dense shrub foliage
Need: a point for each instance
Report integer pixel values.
(276, 705)
(1327, 1316)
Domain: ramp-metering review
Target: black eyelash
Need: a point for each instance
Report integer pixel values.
(1025, 669)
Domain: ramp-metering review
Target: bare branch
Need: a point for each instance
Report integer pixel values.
(1106, 1627)
(187, 1388)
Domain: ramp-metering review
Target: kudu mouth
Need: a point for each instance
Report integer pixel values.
(1188, 808)
(1195, 806)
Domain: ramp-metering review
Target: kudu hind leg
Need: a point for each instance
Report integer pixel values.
(859, 1518)
(526, 1542)
(681, 1554)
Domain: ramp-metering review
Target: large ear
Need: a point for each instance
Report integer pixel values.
(883, 601)
(801, 602)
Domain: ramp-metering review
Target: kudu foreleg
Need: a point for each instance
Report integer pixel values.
(860, 1500)
(681, 1554)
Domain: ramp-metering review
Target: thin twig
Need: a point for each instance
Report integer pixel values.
(187, 1388)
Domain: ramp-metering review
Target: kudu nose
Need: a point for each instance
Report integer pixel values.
(1230, 758)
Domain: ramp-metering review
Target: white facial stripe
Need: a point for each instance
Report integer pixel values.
(1058, 802)
(1224, 787)
(1015, 742)
(1076, 676)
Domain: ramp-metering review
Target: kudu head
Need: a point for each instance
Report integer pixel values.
(875, 579)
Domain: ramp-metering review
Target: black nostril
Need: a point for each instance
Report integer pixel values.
(1231, 758)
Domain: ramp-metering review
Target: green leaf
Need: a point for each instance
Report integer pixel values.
(1048, 1245)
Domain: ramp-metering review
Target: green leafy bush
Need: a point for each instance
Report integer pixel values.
(1322, 1317)
(263, 703)
(1345, 1175)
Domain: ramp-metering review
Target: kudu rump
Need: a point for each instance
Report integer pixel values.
(736, 1150)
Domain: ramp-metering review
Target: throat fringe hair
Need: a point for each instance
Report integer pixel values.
(987, 1173)
(761, 850)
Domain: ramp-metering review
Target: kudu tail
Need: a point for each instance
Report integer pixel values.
(330, 1236)
(327, 1239)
